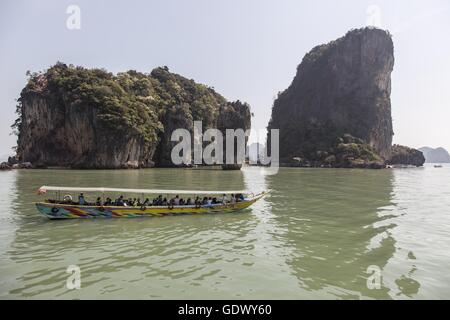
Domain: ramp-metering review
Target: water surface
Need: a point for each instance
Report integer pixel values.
(314, 236)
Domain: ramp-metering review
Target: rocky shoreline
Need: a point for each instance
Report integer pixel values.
(13, 163)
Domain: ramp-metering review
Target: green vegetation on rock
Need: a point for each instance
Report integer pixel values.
(123, 103)
(347, 151)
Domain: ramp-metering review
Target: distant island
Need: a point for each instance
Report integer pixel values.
(438, 155)
(337, 110)
(70, 116)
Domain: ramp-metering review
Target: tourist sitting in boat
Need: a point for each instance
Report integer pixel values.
(81, 200)
(164, 202)
(130, 202)
(108, 202)
(189, 202)
(176, 200)
(239, 197)
(233, 198)
(98, 202)
(224, 199)
(120, 202)
(182, 202)
(67, 199)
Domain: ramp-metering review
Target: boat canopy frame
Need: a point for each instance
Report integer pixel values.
(103, 190)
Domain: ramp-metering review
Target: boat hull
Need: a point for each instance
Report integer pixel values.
(65, 211)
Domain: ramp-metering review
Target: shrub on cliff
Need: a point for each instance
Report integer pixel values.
(351, 147)
(407, 156)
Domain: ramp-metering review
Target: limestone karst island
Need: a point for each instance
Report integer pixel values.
(89, 118)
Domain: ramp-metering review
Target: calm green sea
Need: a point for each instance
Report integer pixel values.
(314, 236)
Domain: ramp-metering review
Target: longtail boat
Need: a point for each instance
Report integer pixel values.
(67, 209)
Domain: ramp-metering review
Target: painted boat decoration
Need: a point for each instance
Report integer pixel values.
(55, 209)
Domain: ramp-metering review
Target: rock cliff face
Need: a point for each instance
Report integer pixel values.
(407, 156)
(337, 110)
(68, 136)
(89, 118)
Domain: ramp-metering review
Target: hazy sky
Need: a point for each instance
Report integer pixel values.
(246, 50)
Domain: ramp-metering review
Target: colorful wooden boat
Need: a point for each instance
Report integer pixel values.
(58, 210)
